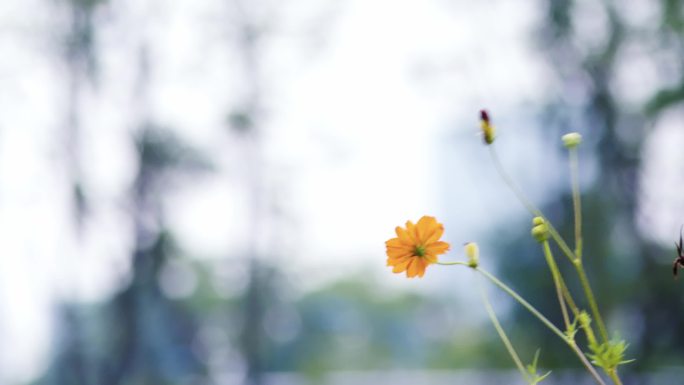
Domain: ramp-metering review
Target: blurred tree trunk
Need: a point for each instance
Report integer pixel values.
(78, 50)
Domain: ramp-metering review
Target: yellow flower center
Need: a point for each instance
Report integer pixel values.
(419, 251)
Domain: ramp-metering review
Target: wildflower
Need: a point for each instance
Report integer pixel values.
(488, 132)
(416, 247)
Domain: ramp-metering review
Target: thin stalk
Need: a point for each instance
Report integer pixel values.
(576, 202)
(511, 184)
(528, 205)
(559, 240)
(614, 376)
(556, 281)
(453, 263)
(592, 301)
(502, 333)
(545, 321)
(539, 316)
(523, 302)
(566, 294)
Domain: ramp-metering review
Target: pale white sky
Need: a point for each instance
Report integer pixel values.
(371, 117)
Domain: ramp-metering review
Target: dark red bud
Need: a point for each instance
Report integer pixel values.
(484, 115)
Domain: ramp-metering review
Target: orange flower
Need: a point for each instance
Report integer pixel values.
(416, 247)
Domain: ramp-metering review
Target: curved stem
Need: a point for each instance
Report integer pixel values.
(528, 205)
(614, 376)
(502, 333)
(566, 294)
(452, 263)
(576, 261)
(592, 301)
(545, 321)
(576, 203)
(523, 302)
(556, 280)
(559, 240)
(511, 184)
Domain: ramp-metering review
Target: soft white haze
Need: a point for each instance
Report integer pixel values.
(371, 115)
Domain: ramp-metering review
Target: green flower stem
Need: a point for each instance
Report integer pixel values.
(614, 376)
(577, 262)
(556, 281)
(453, 263)
(539, 316)
(545, 321)
(592, 301)
(566, 293)
(528, 205)
(577, 208)
(511, 184)
(576, 203)
(559, 240)
(502, 334)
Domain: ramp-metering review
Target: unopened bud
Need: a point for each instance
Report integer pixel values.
(540, 230)
(488, 132)
(572, 139)
(584, 319)
(473, 254)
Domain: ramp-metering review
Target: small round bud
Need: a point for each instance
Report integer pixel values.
(537, 221)
(488, 131)
(473, 254)
(572, 139)
(584, 319)
(540, 232)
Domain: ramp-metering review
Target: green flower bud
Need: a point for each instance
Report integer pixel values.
(540, 232)
(585, 323)
(584, 319)
(473, 254)
(572, 139)
(609, 355)
(537, 221)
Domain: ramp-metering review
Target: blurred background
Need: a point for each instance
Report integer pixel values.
(198, 192)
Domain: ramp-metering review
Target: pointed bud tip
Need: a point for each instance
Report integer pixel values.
(488, 132)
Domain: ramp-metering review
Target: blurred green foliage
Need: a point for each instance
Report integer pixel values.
(141, 336)
(630, 275)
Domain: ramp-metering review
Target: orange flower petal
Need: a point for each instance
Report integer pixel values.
(391, 261)
(430, 258)
(423, 264)
(430, 230)
(437, 232)
(424, 227)
(397, 253)
(396, 243)
(400, 256)
(412, 232)
(403, 236)
(402, 266)
(417, 267)
(437, 248)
